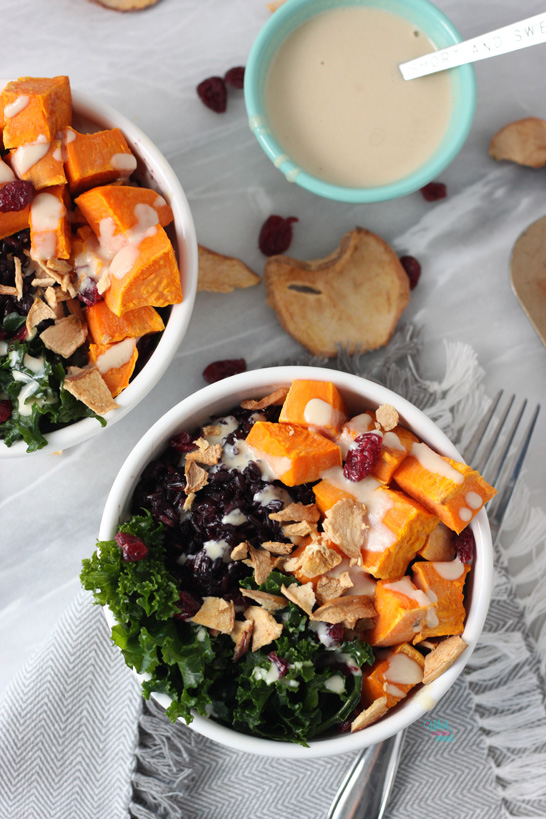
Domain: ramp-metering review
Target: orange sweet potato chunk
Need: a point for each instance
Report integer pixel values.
(50, 235)
(13, 221)
(44, 173)
(35, 107)
(450, 610)
(119, 203)
(294, 453)
(393, 678)
(315, 404)
(326, 495)
(449, 489)
(401, 612)
(96, 159)
(116, 378)
(107, 328)
(149, 276)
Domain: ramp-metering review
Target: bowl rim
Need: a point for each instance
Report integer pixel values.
(252, 383)
(378, 193)
(186, 246)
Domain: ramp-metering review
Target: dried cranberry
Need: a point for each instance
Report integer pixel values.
(223, 369)
(16, 195)
(335, 632)
(282, 665)
(90, 295)
(276, 235)
(188, 604)
(20, 335)
(5, 411)
(412, 268)
(183, 442)
(465, 545)
(235, 76)
(434, 191)
(213, 93)
(362, 456)
(132, 547)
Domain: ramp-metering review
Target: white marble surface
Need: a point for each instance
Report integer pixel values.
(147, 65)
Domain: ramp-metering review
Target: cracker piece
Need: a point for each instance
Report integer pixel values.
(18, 277)
(317, 559)
(354, 297)
(222, 274)
(7, 290)
(442, 657)
(522, 142)
(274, 399)
(299, 529)
(297, 512)
(271, 602)
(89, 387)
(276, 547)
(65, 336)
(38, 312)
(303, 596)
(196, 477)
(240, 551)
(262, 563)
(344, 525)
(205, 454)
(377, 709)
(188, 503)
(266, 628)
(328, 588)
(346, 610)
(216, 613)
(241, 636)
(387, 417)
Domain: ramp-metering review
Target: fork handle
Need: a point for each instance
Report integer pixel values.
(365, 790)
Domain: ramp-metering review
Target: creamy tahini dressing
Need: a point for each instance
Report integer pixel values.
(450, 570)
(339, 107)
(16, 106)
(116, 356)
(6, 173)
(124, 163)
(433, 462)
(26, 156)
(403, 670)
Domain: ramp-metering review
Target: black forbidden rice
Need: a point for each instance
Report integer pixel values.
(161, 492)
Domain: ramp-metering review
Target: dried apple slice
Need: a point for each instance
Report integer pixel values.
(523, 142)
(353, 297)
(126, 5)
(222, 274)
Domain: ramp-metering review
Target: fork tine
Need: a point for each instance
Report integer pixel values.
(496, 469)
(484, 460)
(506, 489)
(473, 444)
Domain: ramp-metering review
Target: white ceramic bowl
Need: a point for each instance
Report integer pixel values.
(153, 171)
(359, 394)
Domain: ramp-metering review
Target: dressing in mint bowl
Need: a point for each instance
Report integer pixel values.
(313, 25)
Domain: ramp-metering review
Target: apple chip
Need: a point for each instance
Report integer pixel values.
(266, 628)
(40, 311)
(262, 563)
(196, 477)
(299, 529)
(442, 657)
(377, 709)
(89, 387)
(65, 336)
(240, 551)
(387, 417)
(346, 610)
(353, 297)
(317, 559)
(302, 596)
(205, 454)
(274, 399)
(216, 613)
(328, 588)
(271, 602)
(344, 525)
(297, 512)
(18, 277)
(241, 635)
(222, 274)
(523, 142)
(277, 547)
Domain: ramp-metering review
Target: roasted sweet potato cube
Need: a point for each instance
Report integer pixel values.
(35, 107)
(50, 235)
(125, 206)
(444, 583)
(439, 544)
(144, 274)
(295, 454)
(41, 164)
(327, 494)
(13, 221)
(395, 445)
(315, 404)
(115, 362)
(107, 328)
(96, 159)
(402, 611)
(392, 675)
(449, 489)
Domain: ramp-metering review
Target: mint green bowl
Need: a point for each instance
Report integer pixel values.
(426, 17)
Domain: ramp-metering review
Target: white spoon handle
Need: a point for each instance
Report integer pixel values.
(529, 32)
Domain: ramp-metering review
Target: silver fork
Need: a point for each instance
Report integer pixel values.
(365, 791)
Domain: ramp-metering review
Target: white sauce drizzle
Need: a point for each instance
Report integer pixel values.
(125, 163)
(118, 355)
(3, 347)
(269, 675)
(450, 570)
(335, 684)
(35, 365)
(465, 514)
(235, 518)
(474, 500)
(319, 413)
(433, 462)
(15, 107)
(394, 691)
(271, 493)
(217, 548)
(26, 156)
(405, 586)
(6, 173)
(402, 669)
